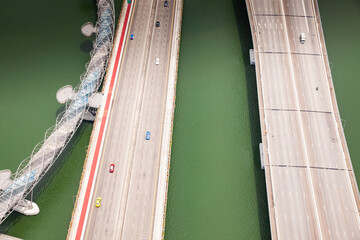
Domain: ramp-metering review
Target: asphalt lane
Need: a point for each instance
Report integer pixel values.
(309, 182)
(128, 195)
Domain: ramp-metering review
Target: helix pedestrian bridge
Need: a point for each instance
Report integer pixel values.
(15, 187)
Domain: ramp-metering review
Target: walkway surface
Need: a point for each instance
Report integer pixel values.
(139, 96)
(312, 192)
(7, 237)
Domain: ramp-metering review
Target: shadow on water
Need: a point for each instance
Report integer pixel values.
(60, 110)
(46, 180)
(86, 46)
(246, 43)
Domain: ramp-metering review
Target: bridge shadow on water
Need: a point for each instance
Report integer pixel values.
(47, 178)
(244, 31)
(86, 46)
(60, 110)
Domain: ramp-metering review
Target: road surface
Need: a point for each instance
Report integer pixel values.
(128, 195)
(311, 187)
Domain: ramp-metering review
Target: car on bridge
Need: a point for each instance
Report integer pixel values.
(147, 137)
(302, 38)
(112, 167)
(131, 36)
(165, 3)
(98, 201)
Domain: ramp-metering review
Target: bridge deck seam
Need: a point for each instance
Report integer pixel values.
(294, 110)
(294, 53)
(311, 167)
(281, 15)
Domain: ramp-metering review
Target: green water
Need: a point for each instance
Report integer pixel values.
(216, 189)
(37, 58)
(42, 50)
(55, 195)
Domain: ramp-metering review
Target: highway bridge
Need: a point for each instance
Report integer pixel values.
(311, 187)
(137, 90)
(128, 195)
(138, 98)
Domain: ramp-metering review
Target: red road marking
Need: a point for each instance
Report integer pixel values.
(102, 127)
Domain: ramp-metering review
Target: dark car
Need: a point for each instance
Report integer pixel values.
(165, 3)
(157, 24)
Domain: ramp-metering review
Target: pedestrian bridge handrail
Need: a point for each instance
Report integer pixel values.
(45, 153)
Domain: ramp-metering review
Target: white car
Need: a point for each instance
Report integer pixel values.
(157, 61)
(302, 38)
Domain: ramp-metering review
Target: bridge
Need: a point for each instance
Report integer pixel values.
(139, 93)
(15, 187)
(138, 96)
(311, 187)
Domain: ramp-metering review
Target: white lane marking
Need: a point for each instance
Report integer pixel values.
(334, 120)
(302, 127)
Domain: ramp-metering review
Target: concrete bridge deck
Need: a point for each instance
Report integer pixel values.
(311, 187)
(139, 97)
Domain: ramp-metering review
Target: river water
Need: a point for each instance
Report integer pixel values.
(216, 190)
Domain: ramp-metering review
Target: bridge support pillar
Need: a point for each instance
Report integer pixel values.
(95, 100)
(67, 93)
(89, 116)
(27, 207)
(261, 148)
(94, 103)
(252, 56)
(87, 29)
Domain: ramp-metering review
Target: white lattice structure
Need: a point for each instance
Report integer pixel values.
(45, 153)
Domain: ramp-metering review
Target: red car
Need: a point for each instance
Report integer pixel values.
(111, 169)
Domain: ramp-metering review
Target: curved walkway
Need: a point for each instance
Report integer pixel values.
(45, 153)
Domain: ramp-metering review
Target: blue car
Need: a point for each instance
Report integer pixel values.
(131, 36)
(147, 135)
